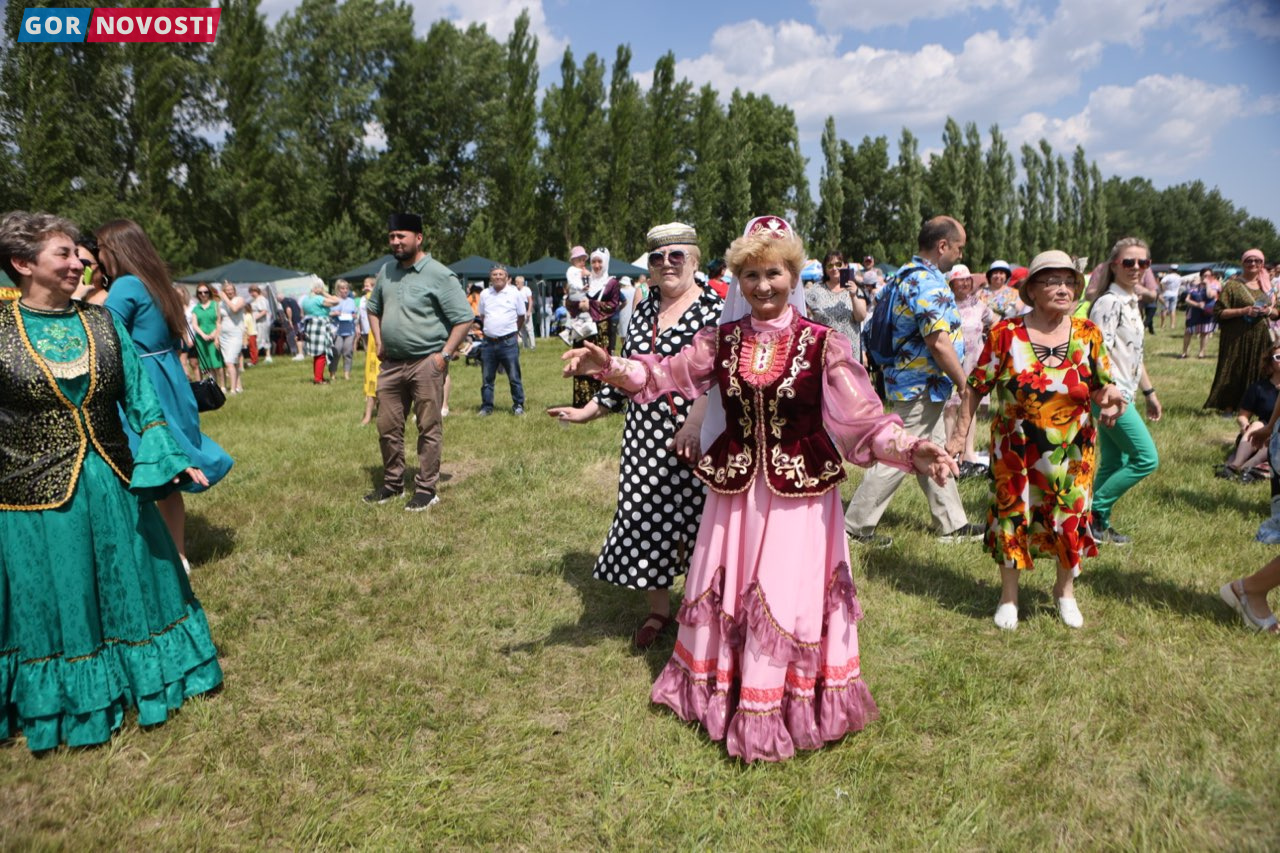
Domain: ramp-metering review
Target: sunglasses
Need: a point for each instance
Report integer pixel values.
(203, 293)
(1140, 263)
(676, 258)
(1249, 261)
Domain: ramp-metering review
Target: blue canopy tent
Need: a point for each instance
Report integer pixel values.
(364, 270)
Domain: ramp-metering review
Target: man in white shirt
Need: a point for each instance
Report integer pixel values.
(526, 336)
(503, 310)
(1170, 287)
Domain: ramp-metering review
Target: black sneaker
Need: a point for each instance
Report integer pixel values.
(484, 413)
(420, 501)
(1107, 535)
(871, 540)
(966, 533)
(382, 494)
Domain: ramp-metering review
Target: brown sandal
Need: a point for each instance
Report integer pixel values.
(647, 634)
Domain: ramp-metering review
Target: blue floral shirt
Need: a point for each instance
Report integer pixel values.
(924, 305)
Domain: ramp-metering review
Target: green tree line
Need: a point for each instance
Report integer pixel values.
(290, 144)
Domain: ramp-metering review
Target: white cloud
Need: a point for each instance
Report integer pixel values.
(868, 15)
(1159, 127)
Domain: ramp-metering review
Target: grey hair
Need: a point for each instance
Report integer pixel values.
(23, 235)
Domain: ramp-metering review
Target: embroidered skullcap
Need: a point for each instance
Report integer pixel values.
(673, 233)
(405, 222)
(774, 226)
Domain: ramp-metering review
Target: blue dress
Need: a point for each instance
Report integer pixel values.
(129, 300)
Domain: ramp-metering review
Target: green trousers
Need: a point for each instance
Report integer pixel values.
(1126, 454)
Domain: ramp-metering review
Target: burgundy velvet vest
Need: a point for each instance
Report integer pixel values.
(775, 426)
(43, 436)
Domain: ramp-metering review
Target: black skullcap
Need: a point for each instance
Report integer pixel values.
(405, 222)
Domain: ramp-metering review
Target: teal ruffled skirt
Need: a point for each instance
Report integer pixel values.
(96, 618)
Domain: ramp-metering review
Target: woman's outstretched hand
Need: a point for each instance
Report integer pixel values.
(935, 462)
(588, 358)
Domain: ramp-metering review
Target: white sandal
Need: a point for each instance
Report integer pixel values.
(1239, 602)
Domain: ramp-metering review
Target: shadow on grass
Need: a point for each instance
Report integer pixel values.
(375, 472)
(951, 589)
(1128, 585)
(608, 613)
(207, 541)
(1251, 501)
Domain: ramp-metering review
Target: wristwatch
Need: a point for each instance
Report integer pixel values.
(447, 357)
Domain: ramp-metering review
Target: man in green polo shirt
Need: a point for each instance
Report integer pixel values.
(419, 317)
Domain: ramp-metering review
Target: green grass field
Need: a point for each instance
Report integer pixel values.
(456, 679)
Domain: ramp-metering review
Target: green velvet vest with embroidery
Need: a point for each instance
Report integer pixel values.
(43, 435)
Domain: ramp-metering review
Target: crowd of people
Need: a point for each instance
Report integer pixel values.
(743, 395)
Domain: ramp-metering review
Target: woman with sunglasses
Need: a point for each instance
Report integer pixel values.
(837, 303)
(1126, 452)
(208, 327)
(153, 314)
(1244, 311)
(653, 530)
(604, 296)
(97, 618)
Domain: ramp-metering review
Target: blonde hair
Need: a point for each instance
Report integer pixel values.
(1123, 243)
(762, 247)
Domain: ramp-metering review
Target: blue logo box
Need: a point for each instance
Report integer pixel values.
(62, 25)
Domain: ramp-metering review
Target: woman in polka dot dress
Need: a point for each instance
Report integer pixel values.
(659, 498)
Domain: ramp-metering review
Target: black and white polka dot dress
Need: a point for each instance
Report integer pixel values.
(659, 498)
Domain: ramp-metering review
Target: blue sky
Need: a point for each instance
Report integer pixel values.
(1173, 90)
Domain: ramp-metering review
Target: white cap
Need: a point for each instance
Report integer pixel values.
(958, 271)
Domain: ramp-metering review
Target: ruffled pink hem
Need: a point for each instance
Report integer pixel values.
(801, 722)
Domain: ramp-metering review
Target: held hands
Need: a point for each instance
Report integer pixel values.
(935, 462)
(955, 445)
(588, 358)
(1110, 405)
(687, 443)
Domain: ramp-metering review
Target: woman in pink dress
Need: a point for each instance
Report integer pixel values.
(767, 654)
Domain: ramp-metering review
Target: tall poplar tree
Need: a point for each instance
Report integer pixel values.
(515, 169)
(624, 231)
(830, 191)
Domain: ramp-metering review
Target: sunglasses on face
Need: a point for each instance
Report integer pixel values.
(675, 258)
(1140, 263)
(1251, 261)
(202, 293)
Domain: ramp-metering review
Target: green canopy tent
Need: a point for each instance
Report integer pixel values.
(361, 272)
(474, 268)
(619, 268)
(278, 282)
(546, 268)
(243, 271)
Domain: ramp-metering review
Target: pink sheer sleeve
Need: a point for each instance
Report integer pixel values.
(689, 372)
(854, 416)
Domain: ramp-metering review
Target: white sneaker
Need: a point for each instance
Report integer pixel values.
(268, 359)
(298, 357)
(1070, 613)
(1007, 616)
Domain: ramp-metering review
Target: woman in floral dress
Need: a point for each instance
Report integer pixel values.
(1043, 370)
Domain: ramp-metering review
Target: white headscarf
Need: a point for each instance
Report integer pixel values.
(596, 283)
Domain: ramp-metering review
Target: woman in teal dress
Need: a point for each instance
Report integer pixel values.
(152, 312)
(205, 313)
(96, 615)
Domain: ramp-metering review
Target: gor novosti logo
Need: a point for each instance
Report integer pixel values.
(119, 25)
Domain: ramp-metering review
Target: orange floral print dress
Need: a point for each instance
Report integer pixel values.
(1043, 443)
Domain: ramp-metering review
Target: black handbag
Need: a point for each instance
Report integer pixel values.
(208, 394)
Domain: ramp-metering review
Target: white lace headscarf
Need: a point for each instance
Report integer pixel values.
(596, 283)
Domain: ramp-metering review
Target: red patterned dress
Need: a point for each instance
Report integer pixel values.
(1043, 443)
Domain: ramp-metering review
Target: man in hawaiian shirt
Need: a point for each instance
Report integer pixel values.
(929, 348)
